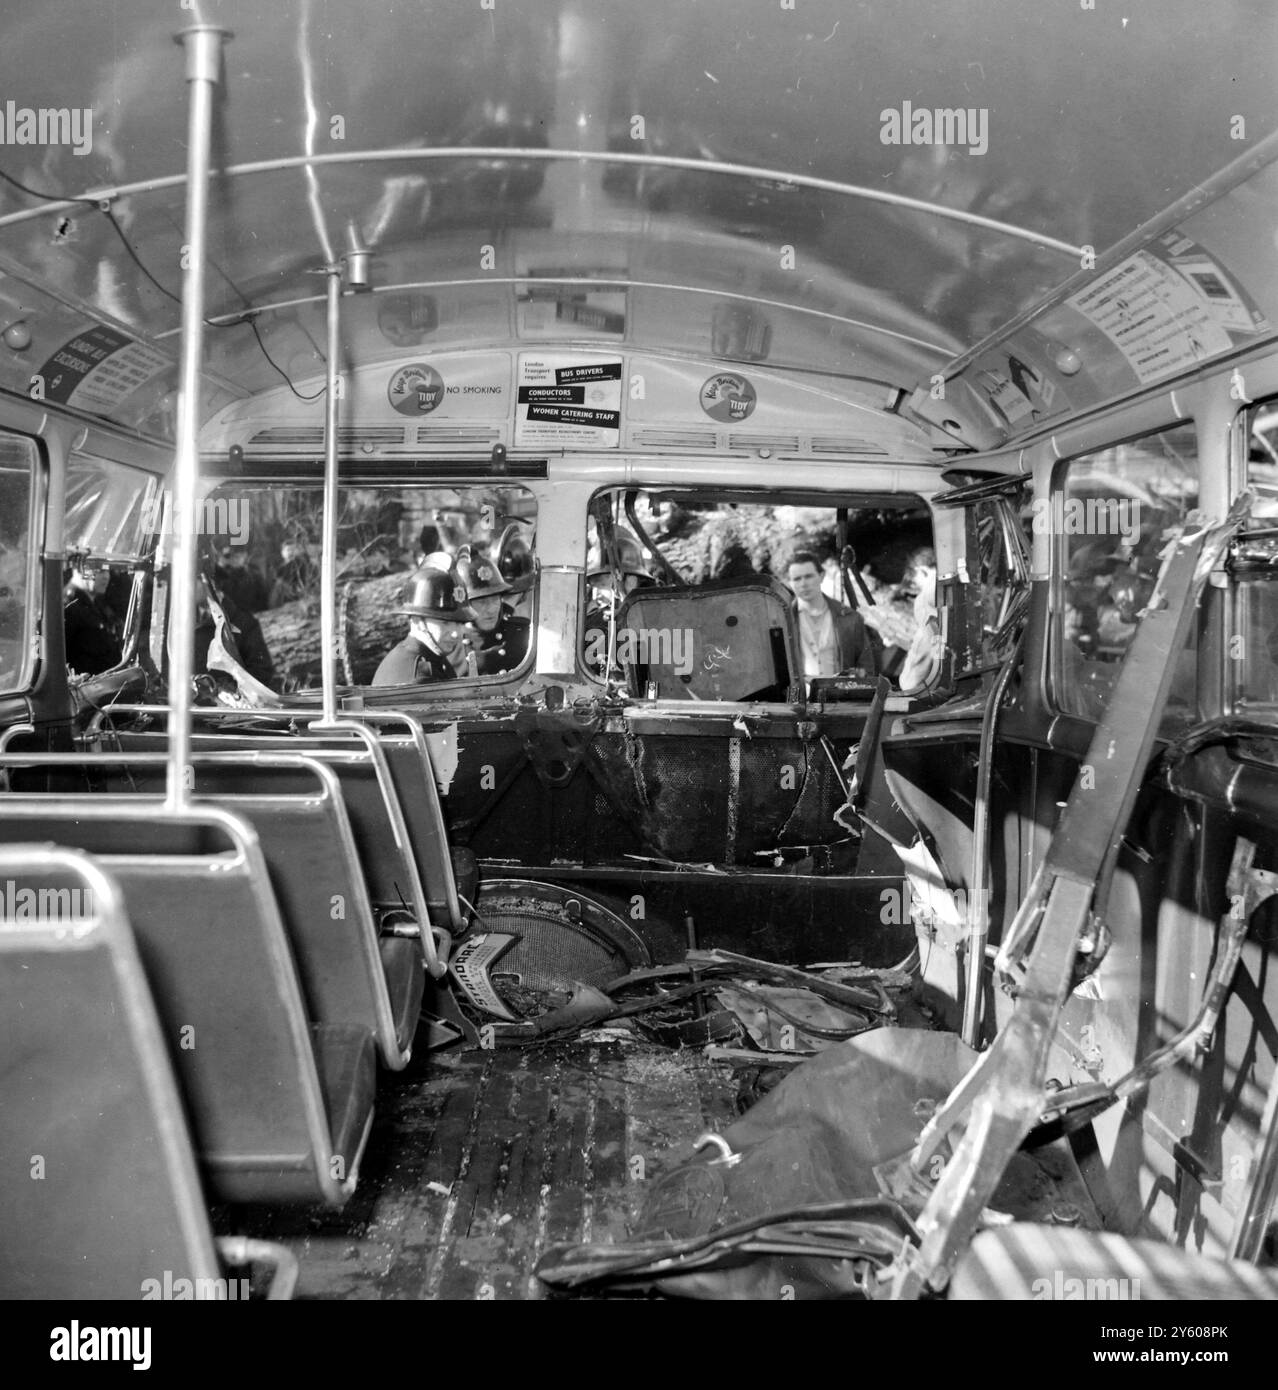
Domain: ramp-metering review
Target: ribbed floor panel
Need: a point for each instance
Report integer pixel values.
(535, 1149)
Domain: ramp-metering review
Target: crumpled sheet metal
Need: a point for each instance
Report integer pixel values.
(814, 1141)
(775, 1017)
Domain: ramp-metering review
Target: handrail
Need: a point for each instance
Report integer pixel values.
(328, 557)
(203, 48)
(509, 154)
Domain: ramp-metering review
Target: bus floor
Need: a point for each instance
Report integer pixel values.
(480, 1160)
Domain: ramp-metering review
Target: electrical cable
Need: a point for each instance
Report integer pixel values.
(105, 209)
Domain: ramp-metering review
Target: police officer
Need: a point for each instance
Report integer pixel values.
(92, 629)
(435, 604)
(502, 638)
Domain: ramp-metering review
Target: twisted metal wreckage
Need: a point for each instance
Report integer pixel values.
(952, 988)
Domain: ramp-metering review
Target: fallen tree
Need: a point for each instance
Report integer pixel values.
(367, 628)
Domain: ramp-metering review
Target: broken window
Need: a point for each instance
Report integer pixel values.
(262, 543)
(725, 596)
(991, 589)
(1252, 639)
(111, 509)
(1110, 516)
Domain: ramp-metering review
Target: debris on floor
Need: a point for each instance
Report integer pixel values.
(713, 998)
(803, 1195)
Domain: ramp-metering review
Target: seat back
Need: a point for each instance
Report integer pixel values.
(295, 805)
(230, 1004)
(368, 789)
(715, 642)
(98, 1186)
(408, 779)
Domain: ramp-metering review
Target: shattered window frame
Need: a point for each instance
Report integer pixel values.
(1121, 574)
(1251, 639)
(111, 510)
(995, 595)
(295, 522)
(711, 495)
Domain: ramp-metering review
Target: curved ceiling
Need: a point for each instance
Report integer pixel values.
(1081, 124)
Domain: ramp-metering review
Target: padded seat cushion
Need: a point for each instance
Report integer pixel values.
(405, 980)
(346, 1062)
(1026, 1261)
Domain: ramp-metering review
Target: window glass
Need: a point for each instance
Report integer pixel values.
(1254, 638)
(1112, 513)
(1256, 657)
(1262, 464)
(746, 600)
(17, 548)
(111, 509)
(434, 583)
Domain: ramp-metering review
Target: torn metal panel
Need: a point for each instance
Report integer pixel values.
(1002, 1096)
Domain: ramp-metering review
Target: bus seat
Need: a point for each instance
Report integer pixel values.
(98, 1185)
(372, 803)
(448, 874)
(719, 641)
(348, 973)
(1026, 1261)
(279, 1111)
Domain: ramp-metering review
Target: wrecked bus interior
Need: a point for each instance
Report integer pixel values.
(638, 651)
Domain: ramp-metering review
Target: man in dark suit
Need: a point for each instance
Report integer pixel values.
(832, 637)
(92, 629)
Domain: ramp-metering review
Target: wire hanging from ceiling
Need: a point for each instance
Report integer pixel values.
(247, 318)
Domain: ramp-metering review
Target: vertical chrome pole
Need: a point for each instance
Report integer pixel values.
(203, 45)
(328, 562)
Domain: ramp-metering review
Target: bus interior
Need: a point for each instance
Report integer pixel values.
(638, 650)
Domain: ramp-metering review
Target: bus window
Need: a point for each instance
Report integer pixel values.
(262, 549)
(734, 599)
(1111, 515)
(111, 509)
(995, 597)
(1253, 645)
(17, 480)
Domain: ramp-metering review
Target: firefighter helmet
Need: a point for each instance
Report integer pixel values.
(435, 593)
(515, 559)
(480, 577)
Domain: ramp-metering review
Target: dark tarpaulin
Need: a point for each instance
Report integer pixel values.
(813, 1142)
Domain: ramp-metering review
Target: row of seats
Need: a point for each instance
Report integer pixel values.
(99, 1190)
(285, 921)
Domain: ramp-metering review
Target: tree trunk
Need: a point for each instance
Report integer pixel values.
(372, 628)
